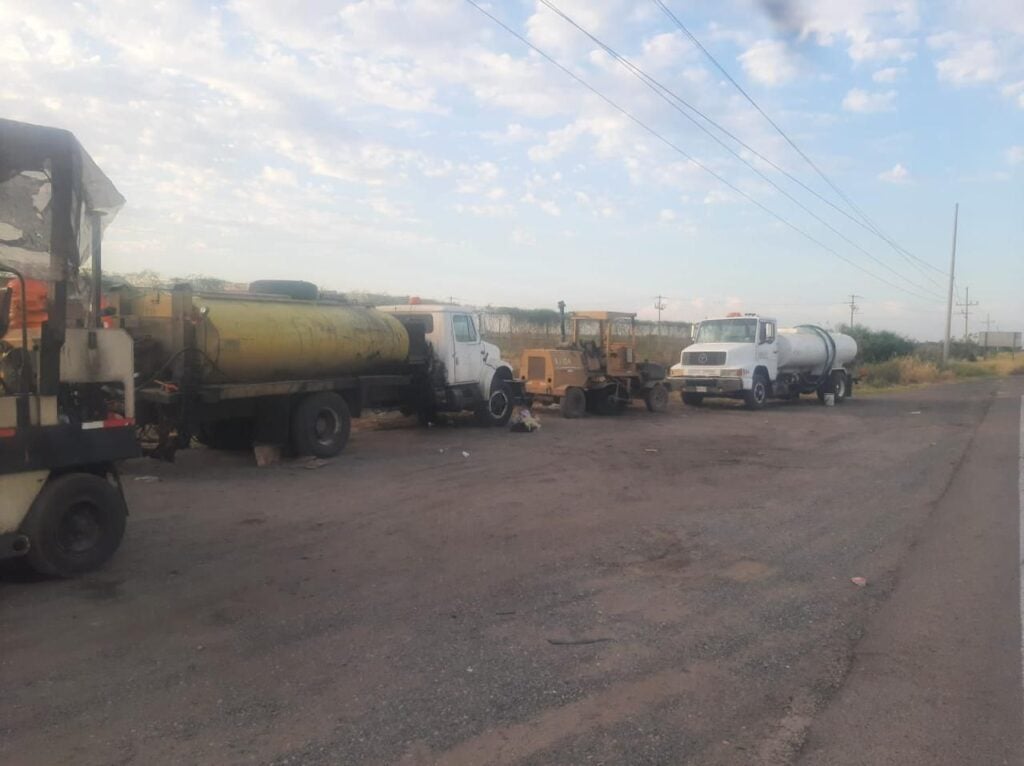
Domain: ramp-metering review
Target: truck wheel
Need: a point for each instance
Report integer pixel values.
(839, 386)
(497, 410)
(574, 403)
(656, 398)
(692, 399)
(757, 395)
(321, 425)
(75, 524)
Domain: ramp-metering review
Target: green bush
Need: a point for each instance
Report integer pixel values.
(967, 370)
(878, 345)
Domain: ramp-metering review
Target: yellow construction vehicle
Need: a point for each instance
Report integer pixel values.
(595, 369)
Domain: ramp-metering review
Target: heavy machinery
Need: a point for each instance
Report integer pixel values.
(280, 365)
(66, 380)
(742, 356)
(595, 371)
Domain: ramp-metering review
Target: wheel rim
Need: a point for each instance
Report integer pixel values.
(498, 404)
(840, 387)
(325, 426)
(79, 529)
(759, 392)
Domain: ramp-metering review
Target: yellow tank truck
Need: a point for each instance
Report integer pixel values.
(279, 364)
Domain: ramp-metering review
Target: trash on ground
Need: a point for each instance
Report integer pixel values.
(916, 412)
(465, 454)
(317, 463)
(146, 478)
(266, 454)
(652, 450)
(523, 421)
(860, 582)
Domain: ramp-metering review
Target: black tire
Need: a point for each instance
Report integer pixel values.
(230, 434)
(321, 425)
(497, 410)
(757, 395)
(839, 385)
(692, 399)
(75, 525)
(573, 403)
(656, 398)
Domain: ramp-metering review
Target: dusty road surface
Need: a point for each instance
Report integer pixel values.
(647, 589)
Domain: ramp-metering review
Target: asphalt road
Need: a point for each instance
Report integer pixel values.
(647, 589)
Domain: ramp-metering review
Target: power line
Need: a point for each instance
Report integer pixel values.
(659, 304)
(870, 224)
(668, 95)
(966, 312)
(681, 151)
(853, 306)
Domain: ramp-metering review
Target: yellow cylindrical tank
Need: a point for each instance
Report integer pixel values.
(250, 340)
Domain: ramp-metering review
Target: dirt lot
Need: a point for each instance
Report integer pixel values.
(645, 589)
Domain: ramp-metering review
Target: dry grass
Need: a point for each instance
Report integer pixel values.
(910, 370)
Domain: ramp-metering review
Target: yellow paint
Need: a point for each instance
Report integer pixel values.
(17, 492)
(259, 340)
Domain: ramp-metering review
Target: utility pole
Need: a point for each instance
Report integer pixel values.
(967, 310)
(853, 306)
(988, 329)
(659, 304)
(949, 298)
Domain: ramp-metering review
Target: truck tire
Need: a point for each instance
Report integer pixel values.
(656, 398)
(497, 410)
(321, 425)
(757, 395)
(692, 399)
(75, 525)
(839, 385)
(573, 403)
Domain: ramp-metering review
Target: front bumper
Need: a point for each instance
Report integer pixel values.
(701, 385)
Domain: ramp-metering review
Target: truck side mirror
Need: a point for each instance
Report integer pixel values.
(6, 295)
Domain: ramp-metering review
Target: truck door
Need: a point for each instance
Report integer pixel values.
(467, 356)
(767, 349)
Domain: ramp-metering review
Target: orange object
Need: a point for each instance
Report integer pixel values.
(35, 289)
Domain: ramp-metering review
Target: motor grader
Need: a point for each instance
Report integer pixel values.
(594, 371)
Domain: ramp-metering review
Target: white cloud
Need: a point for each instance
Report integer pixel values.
(1015, 91)
(866, 102)
(897, 174)
(862, 48)
(1015, 155)
(967, 61)
(768, 62)
(667, 215)
(889, 74)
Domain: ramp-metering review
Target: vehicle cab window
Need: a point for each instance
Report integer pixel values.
(767, 332)
(465, 332)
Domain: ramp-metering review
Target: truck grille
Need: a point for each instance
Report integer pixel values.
(704, 357)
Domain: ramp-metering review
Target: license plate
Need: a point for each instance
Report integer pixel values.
(702, 389)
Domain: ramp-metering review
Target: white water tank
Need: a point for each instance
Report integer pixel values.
(805, 350)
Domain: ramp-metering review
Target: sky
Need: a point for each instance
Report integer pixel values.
(419, 148)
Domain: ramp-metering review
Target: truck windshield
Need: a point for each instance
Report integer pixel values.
(727, 331)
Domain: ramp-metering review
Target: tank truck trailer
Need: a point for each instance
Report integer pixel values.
(281, 365)
(745, 356)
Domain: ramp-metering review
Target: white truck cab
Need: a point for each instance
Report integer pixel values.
(469, 369)
(747, 356)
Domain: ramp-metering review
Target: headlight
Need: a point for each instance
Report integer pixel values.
(736, 372)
